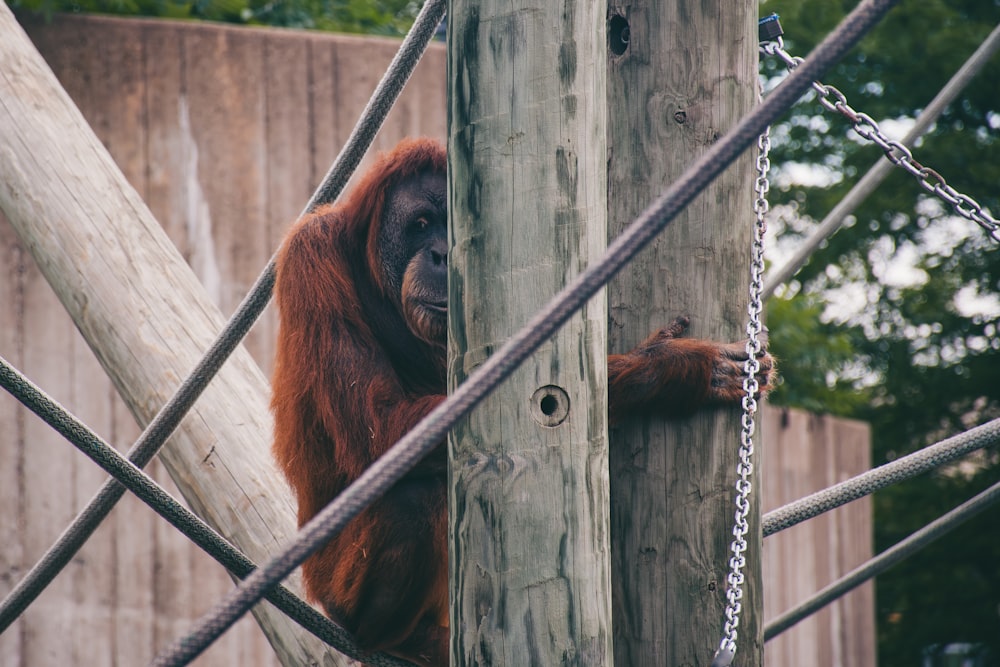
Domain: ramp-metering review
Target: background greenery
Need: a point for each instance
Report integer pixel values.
(894, 321)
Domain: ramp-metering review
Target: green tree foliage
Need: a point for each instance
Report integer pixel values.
(895, 319)
(384, 17)
(815, 360)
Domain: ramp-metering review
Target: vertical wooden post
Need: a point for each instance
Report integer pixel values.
(529, 520)
(679, 75)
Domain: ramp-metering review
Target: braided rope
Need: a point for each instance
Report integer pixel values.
(151, 493)
(419, 442)
(235, 330)
(868, 482)
(885, 560)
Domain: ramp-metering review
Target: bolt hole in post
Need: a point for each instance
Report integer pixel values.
(618, 35)
(550, 405)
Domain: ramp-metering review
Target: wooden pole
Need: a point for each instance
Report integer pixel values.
(144, 315)
(680, 74)
(529, 523)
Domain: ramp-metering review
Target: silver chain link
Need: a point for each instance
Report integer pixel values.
(751, 387)
(930, 180)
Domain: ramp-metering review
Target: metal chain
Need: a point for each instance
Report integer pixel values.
(932, 182)
(896, 152)
(751, 387)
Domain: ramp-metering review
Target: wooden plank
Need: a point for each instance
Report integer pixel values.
(13, 523)
(794, 571)
(94, 62)
(105, 60)
(852, 441)
(421, 108)
(359, 66)
(343, 71)
(323, 70)
(288, 145)
(134, 562)
(824, 549)
(172, 189)
(225, 106)
(48, 466)
(173, 595)
(528, 496)
(244, 644)
(803, 454)
(685, 73)
(135, 547)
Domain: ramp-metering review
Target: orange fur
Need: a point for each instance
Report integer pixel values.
(351, 378)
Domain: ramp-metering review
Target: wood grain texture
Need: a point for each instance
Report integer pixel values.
(529, 516)
(97, 638)
(13, 524)
(687, 75)
(803, 454)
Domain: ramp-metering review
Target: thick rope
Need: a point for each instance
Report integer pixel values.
(870, 481)
(161, 502)
(431, 430)
(885, 560)
(167, 420)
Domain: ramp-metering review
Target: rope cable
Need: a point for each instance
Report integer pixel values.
(243, 318)
(980, 437)
(160, 501)
(885, 560)
(433, 428)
